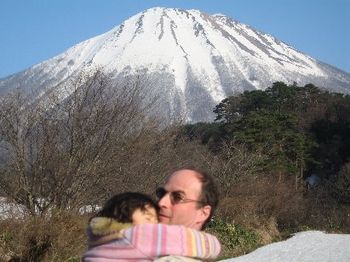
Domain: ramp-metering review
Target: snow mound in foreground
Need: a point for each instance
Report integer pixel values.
(308, 246)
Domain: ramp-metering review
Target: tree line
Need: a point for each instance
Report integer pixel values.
(301, 131)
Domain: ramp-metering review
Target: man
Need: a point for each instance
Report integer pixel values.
(189, 197)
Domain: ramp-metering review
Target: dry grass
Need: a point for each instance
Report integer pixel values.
(274, 208)
(60, 237)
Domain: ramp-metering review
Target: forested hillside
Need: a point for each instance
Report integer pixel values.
(300, 131)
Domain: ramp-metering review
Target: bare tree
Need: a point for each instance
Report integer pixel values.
(233, 164)
(61, 149)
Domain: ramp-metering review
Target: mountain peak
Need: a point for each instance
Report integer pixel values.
(195, 58)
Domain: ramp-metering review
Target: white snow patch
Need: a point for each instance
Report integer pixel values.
(10, 210)
(308, 246)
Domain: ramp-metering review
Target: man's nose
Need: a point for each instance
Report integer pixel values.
(164, 201)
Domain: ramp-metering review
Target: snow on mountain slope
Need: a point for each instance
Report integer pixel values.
(193, 60)
(308, 246)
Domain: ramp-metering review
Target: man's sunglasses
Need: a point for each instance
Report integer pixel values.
(176, 197)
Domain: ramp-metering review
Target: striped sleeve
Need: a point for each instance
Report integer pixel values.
(156, 240)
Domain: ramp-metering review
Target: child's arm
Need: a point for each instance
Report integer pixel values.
(155, 240)
(103, 229)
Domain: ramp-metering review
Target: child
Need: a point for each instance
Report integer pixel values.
(126, 229)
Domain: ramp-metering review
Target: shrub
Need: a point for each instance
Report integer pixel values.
(341, 185)
(235, 239)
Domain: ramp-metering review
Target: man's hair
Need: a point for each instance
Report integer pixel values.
(209, 194)
(122, 206)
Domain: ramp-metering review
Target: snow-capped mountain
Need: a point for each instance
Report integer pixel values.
(194, 60)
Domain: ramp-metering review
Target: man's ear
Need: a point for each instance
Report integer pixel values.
(205, 213)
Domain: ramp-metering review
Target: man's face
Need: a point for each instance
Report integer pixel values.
(184, 183)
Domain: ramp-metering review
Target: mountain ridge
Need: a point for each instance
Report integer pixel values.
(194, 60)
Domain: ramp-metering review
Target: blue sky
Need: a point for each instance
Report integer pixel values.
(32, 31)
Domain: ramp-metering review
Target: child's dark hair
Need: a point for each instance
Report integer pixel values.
(122, 206)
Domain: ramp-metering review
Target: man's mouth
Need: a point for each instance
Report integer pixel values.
(163, 217)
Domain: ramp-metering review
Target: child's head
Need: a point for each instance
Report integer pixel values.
(131, 207)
